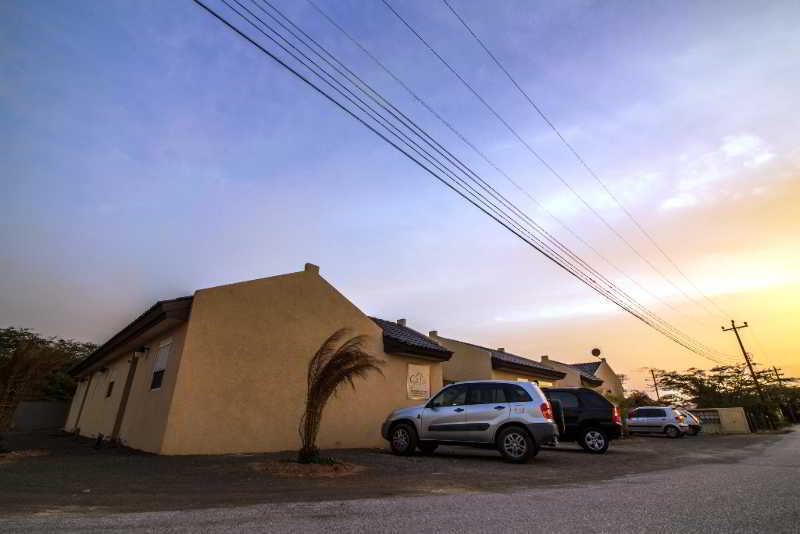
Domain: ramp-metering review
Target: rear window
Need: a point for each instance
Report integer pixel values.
(567, 400)
(516, 393)
(595, 400)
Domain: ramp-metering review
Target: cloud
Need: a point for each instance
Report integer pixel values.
(682, 200)
(700, 177)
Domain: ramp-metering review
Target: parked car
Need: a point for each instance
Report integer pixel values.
(658, 419)
(589, 418)
(694, 422)
(514, 417)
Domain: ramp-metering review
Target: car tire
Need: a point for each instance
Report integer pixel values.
(427, 448)
(516, 445)
(403, 439)
(594, 440)
(673, 432)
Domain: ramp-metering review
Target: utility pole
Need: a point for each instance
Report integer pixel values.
(655, 384)
(778, 376)
(746, 356)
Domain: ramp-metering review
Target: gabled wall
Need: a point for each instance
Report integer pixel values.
(468, 362)
(242, 382)
(611, 383)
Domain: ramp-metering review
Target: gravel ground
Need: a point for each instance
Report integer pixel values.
(68, 475)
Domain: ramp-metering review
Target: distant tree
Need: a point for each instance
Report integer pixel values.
(722, 386)
(334, 364)
(35, 367)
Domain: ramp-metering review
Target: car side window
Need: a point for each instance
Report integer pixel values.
(486, 394)
(644, 412)
(659, 413)
(516, 393)
(567, 400)
(452, 396)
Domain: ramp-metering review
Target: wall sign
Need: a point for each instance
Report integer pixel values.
(418, 381)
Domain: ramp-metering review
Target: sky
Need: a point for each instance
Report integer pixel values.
(149, 152)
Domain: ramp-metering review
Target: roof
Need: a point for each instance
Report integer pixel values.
(590, 368)
(586, 377)
(397, 338)
(519, 363)
(502, 359)
(173, 311)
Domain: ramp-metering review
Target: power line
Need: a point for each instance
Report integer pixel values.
(538, 156)
(581, 159)
(470, 195)
(483, 156)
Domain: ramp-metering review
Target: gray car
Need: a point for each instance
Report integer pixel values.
(514, 417)
(658, 419)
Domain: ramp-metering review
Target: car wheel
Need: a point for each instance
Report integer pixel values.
(427, 448)
(516, 445)
(594, 440)
(403, 439)
(673, 432)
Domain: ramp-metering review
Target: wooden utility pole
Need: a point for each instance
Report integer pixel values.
(746, 356)
(655, 384)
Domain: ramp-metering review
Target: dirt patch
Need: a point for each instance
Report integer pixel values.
(14, 456)
(292, 469)
(72, 475)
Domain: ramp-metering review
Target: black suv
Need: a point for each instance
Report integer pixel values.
(585, 416)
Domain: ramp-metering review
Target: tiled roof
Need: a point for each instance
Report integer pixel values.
(507, 357)
(585, 377)
(399, 338)
(173, 309)
(590, 368)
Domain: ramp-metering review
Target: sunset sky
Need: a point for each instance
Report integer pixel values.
(148, 152)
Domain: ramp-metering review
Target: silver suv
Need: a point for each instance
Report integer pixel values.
(658, 419)
(514, 417)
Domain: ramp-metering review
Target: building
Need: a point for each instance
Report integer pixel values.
(224, 371)
(575, 376)
(474, 362)
(612, 385)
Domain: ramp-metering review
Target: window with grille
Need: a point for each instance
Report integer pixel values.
(160, 365)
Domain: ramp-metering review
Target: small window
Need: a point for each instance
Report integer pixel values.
(110, 389)
(567, 400)
(516, 393)
(486, 394)
(160, 365)
(452, 396)
(659, 413)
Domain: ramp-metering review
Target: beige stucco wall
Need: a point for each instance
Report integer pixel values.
(146, 412)
(611, 384)
(242, 380)
(573, 378)
(468, 362)
(733, 421)
(145, 416)
(99, 411)
(74, 407)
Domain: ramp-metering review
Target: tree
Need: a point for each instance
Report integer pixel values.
(35, 367)
(722, 386)
(333, 365)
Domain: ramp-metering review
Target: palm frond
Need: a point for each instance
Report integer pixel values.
(333, 365)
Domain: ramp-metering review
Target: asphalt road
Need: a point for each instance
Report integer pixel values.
(758, 494)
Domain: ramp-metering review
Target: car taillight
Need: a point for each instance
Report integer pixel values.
(615, 416)
(547, 412)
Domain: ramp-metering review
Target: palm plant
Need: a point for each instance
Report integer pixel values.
(334, 364)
